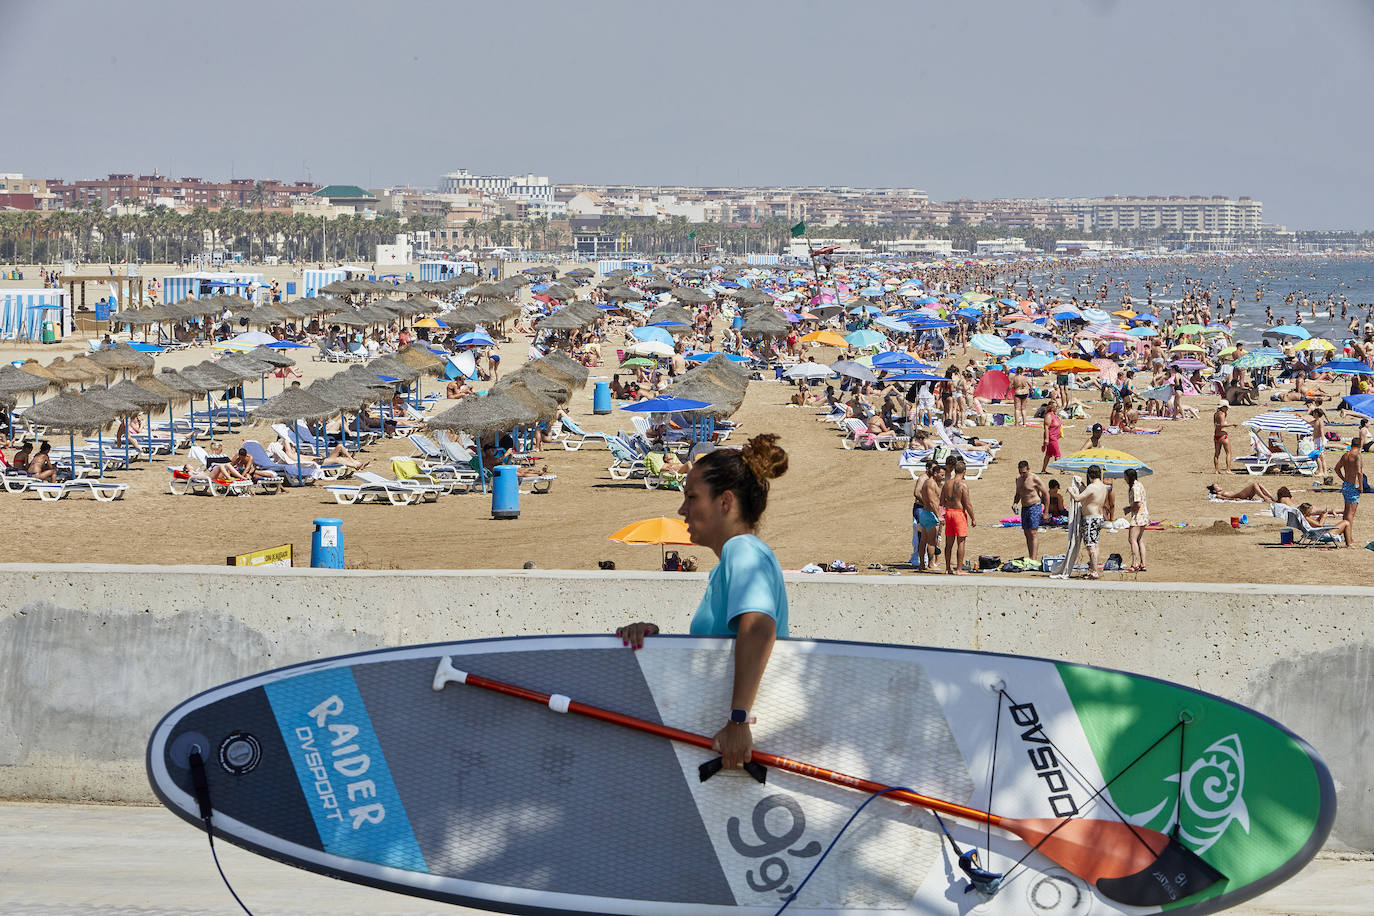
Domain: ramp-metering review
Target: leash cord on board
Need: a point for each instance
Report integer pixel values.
(980, 880)
(202, 787)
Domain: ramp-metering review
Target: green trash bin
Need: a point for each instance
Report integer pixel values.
(49, 332)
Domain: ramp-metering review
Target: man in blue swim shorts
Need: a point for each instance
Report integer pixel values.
(925, 516)
(1031, 496)
(1350, 470)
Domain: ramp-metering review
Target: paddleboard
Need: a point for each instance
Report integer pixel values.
(391, 768)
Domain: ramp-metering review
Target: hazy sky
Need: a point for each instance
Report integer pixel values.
(1004, 98)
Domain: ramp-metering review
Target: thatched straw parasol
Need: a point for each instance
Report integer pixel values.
(70, 412)
(60, 369)
(690, 295)
(338, 393)
(562, 368)
(393, 368)
(122, 358)
(291, 405)
(516, 389)
(186, 384)
(140, 393)
(480, 416)
(559, 291)
(32, 367)
(421, 359)
(562, 320)
(274, 358)
(624, 293)
(542, 385)
(213, 377)
(15, 381)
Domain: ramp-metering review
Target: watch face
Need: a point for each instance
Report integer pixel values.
(739, 716)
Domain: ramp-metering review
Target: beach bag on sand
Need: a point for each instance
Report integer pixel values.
(986, 561)
(1113, 563)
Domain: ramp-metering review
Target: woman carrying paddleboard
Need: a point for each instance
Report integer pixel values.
(723, 498)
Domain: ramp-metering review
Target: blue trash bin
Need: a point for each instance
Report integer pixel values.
(601, 398)
(505, 492)
(326, 544)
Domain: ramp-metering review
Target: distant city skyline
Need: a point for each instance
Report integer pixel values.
(1065, 98)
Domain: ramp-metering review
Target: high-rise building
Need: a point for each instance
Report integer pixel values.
(530, 188)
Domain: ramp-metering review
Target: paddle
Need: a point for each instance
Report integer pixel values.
(1128, 864)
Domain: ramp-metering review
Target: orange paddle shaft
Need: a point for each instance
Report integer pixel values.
(559, 703)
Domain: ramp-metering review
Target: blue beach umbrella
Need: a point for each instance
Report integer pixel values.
(1038, 345)
(1029, 361)
(1362, 404)
(1346, 367)
(703, 357)
(1142, 333)
(1289, 330)
(897, 361)
(475, 339)
(865, 338)
(666, 405)
(652, 333)
(287, 345)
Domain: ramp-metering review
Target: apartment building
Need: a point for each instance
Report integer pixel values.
(1218, 215)
(116, 188)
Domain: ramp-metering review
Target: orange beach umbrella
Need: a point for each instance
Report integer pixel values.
(1069, 364)
(658, 531)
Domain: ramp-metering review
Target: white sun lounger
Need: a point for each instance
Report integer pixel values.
(100, 490)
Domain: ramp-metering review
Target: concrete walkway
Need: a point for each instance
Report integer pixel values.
(74, 860)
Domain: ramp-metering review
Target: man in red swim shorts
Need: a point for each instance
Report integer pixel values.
(954, 499)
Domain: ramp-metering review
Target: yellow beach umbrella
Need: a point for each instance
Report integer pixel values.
(1126, 313)
(428, 323)
(826, 337)
(1314, 343)
(1069, 365)
(1191, 348)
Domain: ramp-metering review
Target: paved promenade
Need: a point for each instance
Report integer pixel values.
(73, 860)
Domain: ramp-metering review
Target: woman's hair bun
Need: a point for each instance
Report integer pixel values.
(765, 459)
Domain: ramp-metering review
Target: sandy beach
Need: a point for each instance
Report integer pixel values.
(833, 504)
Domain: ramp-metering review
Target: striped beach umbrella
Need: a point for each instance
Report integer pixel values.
(1279, 421)
(990, 343)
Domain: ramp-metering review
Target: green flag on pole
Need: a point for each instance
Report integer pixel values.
(799, 229)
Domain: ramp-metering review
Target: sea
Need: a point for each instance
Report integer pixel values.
(1257, 283)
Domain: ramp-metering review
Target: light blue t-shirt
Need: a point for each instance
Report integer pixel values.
(747, 578)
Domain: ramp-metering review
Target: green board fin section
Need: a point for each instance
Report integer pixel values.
(1248, 799)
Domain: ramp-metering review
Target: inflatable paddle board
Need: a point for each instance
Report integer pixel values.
(559, 775)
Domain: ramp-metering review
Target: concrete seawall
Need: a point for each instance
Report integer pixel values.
(92, 656)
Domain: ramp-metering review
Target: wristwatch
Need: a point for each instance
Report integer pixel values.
(739, 716)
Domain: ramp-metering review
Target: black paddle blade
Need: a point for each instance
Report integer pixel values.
(1177, 873)
(714, 766)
